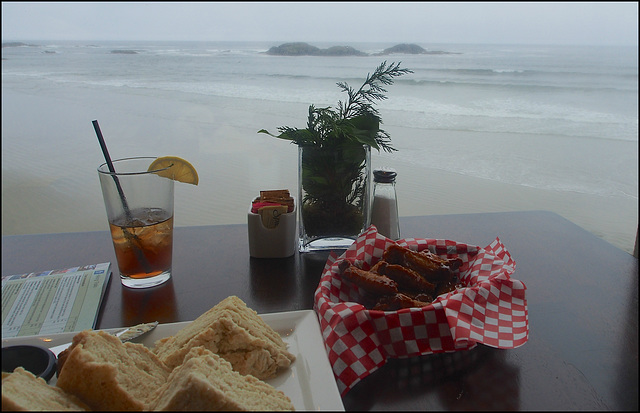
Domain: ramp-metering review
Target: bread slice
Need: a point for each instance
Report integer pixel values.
(234, 332)
(21, 390)
(107, 374)
(206, 381)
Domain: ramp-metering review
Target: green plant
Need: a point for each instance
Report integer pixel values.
(333, 167)
(355, 121)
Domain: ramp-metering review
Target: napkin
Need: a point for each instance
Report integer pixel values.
(491, 309)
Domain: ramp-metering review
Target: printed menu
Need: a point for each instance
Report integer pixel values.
(53, 301)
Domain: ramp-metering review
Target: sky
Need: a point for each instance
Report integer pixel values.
(583, 23)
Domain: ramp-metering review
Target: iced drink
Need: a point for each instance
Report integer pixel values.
(144, 245)
(139, 204)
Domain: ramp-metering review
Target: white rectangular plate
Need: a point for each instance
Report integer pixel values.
(309, 382)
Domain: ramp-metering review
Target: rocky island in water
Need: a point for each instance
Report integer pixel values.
(305, 49)
(124, 51)
(17, 44)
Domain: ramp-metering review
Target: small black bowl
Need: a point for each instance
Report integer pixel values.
(38, 360)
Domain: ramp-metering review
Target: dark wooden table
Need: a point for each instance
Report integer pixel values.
(582, 295)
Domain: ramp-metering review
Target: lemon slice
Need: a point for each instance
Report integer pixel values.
(177, 169)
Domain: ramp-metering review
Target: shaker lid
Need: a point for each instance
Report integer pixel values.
(384, 176)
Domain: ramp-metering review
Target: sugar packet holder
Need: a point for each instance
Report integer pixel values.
(271, 225)
(491, 309)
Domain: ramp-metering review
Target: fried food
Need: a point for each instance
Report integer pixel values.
(403, 278)
(430, 266)
(406, 278)
(447, 287)
(452, 263)
(369, 281)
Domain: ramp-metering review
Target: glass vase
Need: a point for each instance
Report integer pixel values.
(333, 190)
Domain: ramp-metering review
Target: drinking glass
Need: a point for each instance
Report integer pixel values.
(139, 206)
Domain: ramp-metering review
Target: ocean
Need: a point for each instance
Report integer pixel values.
(478, 128)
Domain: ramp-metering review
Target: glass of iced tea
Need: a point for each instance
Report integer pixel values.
(139, 204)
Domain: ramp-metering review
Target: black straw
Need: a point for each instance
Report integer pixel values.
(107, 158)
(131, 237)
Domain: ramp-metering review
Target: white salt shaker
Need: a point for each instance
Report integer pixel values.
(384, 212)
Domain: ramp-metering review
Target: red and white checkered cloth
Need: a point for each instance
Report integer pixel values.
(491, 309)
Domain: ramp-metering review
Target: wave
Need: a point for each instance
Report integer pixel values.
(508, 113)
(522, 73)
(566, 122)
(585, 86)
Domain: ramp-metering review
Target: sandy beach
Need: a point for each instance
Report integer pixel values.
(50, 183)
